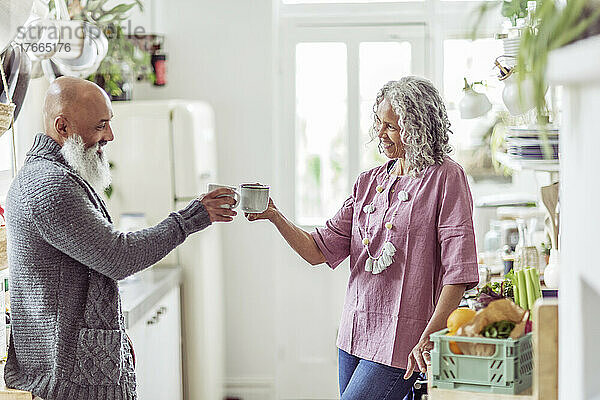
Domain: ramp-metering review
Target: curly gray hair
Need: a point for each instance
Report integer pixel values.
(422, 118)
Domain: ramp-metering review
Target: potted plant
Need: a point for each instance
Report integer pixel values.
(124, 62)
(513, 10)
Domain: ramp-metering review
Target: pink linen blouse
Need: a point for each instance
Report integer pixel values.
(384, 315)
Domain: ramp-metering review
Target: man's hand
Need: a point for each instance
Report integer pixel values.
(214, 202)
(419, 357)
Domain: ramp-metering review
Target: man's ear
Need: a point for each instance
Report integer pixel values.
(60, 125)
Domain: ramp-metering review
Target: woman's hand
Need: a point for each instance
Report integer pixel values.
(268, 214)
(420, 356)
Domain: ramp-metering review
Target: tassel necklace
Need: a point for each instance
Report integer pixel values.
(377, 264)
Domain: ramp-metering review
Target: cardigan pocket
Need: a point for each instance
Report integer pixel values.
(98, 358)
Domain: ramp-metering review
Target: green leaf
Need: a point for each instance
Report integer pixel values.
(93, 5)
(109, 191)
(105, 19)
(121, 9)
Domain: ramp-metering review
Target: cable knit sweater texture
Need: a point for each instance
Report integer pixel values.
(65, 257)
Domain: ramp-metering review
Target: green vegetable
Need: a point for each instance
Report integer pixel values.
(523, 298)
(498, 329)
(536, 282)
(530, 287)
(510, 288)
(507, 288)
(533, 285)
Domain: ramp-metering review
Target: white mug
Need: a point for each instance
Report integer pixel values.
(236, 195)
(254, 198)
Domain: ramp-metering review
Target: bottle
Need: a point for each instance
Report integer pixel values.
(526, 254)
(492, 243)
(159, 62)
(520, 257)
(530, 20)
(552, 270)
(492, 239)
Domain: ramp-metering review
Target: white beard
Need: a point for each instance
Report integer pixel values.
(92, 167)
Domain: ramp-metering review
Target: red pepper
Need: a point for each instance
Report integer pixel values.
(2, 213)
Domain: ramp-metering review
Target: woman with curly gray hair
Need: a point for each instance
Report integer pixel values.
(407, 227)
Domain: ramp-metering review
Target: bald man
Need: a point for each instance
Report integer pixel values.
(68, 339)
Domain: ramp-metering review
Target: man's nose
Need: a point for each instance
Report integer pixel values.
(109, 137)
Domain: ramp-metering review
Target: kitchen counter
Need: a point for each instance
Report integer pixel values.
(142, 291)
(138, 295)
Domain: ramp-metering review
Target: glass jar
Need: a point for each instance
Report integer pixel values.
(526, 254)
(116, 77)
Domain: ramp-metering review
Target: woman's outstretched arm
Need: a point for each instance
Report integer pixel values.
(301, 241)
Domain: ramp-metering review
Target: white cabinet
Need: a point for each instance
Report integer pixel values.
(156, 341)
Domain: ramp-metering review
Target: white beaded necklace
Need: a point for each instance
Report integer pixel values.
(379, 263)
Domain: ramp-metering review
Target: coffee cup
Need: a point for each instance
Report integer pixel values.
(235, 195)
(254, 198)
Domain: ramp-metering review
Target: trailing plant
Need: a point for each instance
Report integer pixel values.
(121, 50)
(554, 27)
(512, 10)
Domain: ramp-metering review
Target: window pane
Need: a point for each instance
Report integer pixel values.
(473, 60)
(380, 62)
(321, 130)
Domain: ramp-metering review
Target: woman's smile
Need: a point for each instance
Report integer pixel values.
(387, 143)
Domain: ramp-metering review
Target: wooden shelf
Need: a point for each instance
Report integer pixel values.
(521, 164)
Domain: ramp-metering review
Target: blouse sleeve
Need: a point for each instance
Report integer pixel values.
(334, 238)
(455, 231)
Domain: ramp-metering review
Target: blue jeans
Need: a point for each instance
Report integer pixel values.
(367, 380)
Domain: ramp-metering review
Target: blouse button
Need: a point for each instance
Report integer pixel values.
(366, 241)
(388, 225)
(403, 195)
(369, 208)
(379, 189)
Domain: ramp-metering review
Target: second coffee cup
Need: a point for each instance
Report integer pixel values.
(252, 198)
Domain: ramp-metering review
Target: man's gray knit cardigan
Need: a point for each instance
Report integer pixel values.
(68, 338)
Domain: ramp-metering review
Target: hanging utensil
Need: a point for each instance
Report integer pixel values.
(87, 47)
(550, 200)
(11, 65)
(17, 67)
(21, 83)
(7, 110)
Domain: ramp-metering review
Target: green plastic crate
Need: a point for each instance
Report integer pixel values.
(508, 371)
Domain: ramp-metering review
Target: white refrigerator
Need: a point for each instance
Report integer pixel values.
(163, 156)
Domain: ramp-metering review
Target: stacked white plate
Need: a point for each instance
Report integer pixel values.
(532, 143)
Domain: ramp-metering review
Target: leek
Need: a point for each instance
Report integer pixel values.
(520, 275)
(530, 287)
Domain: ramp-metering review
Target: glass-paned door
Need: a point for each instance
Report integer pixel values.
(331, 80)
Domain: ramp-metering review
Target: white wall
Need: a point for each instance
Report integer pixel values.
(221, 52)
